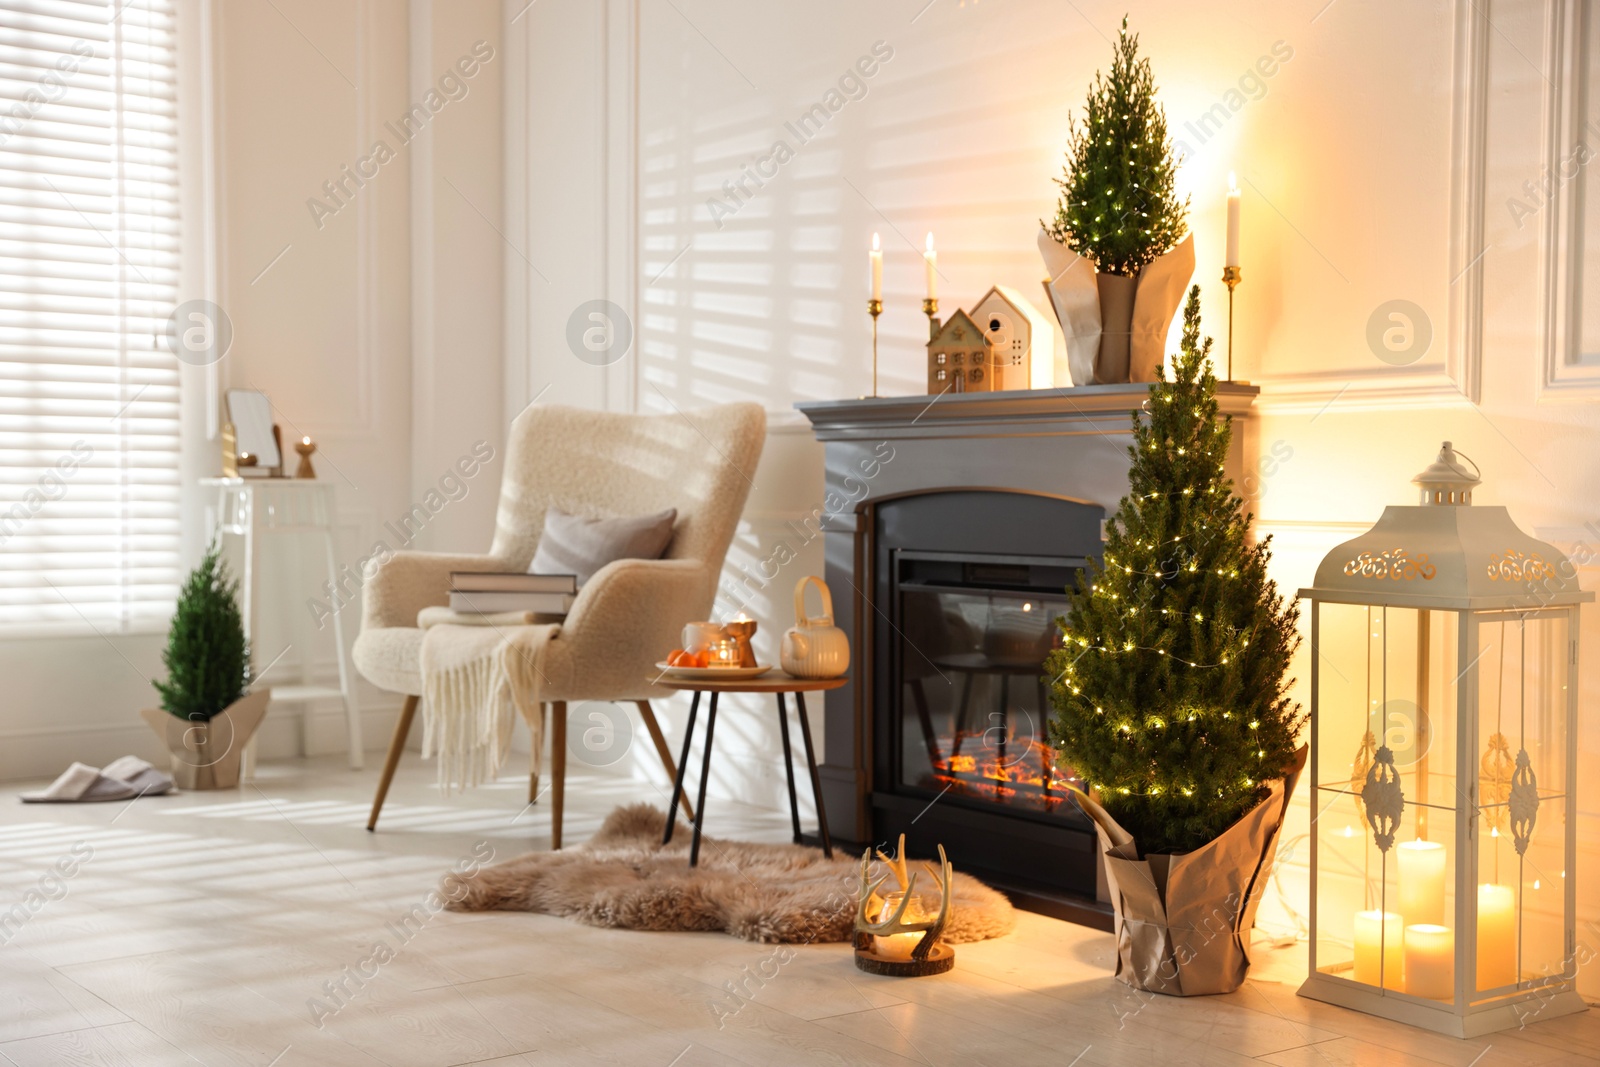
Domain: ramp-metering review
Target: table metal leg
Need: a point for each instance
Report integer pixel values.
(788, 765)
(683, 763)
(811, 764)
(705, 776)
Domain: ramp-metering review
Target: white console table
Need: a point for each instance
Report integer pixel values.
(252, 508)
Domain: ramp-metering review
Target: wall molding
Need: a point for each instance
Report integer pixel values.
(1458, 378)
(1565, 371)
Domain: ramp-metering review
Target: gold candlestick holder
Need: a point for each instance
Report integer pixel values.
(305, 446)
(930, 308)
(740, 631)
(1230, 278)
(874, 308)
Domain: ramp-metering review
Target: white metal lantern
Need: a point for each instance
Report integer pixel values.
(1443, 759)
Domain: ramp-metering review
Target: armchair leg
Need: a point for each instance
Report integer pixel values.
(558, 769)
(397, 745)
(663, 751)
(535, 755)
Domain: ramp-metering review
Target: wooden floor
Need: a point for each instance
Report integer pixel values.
(239, 928)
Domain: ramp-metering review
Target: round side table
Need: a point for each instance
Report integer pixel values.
(774, 682)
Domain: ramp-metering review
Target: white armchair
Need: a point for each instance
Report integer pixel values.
(627, 616)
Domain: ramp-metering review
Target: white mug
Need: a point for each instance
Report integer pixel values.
(701, 636)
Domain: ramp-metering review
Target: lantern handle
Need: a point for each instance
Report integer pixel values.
(1477, 471)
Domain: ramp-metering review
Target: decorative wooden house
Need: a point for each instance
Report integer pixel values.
(1021, 340)
(958, 357)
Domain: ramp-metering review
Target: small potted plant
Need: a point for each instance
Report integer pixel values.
(1171, 696)
(208, 711)
(1120, 212)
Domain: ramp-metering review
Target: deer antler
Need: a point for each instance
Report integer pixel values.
(897, 866)
(889, 925)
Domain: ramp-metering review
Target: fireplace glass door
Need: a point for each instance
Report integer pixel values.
(973, 697)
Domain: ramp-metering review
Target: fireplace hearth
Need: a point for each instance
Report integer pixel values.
(949, 576)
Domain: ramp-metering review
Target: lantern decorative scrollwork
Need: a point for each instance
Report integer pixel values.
(1396, 564)
(1384, 799)
(1495, 779)
(1359, 769)
(1524, 802)
(1514, 566)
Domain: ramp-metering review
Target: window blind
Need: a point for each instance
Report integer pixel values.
(89, 256)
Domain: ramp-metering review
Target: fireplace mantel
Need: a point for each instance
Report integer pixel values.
(1017, 413)
(1070, 444)
(1064, 442)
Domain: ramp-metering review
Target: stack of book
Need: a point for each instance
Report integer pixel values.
(489, 592)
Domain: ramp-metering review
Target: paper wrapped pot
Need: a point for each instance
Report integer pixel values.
(1183, 921)
(1140, 336)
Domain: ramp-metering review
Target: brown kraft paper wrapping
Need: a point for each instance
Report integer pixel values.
(1076, 300)
(1183, 921)
(1116, 326)
(1161, 286)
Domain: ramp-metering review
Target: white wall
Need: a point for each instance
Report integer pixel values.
(378, 332)
(373, 322)
(1376, 161)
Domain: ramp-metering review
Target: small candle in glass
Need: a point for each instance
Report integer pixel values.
(899, 946)
(724, 652)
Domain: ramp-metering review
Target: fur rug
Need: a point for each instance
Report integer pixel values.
(771, 893)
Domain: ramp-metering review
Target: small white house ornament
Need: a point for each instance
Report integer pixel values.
(1444, 762)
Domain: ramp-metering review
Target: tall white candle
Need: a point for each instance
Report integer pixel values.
(930, 263)
(1497, 936)
(1379, 935)
(1430, 961)
(1422, 881)
(876, 256)
(1233, 223)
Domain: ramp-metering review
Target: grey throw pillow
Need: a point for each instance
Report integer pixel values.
(571, 544)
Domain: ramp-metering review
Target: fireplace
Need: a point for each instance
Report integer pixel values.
(969, 586)
(952, 528)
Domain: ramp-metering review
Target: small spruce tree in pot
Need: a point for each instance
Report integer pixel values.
(207, 710)
(1171, 688)
(1119, 206)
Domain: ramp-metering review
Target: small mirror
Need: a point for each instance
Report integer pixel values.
(251, 415)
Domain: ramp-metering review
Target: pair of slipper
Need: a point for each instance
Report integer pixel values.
(121, 779)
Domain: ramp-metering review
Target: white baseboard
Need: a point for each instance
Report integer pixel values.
(45, 753)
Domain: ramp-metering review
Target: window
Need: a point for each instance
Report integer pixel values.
(89, 510)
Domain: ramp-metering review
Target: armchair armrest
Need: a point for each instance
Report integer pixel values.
(410, 581)
(627, 616)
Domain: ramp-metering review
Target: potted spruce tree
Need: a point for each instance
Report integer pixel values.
(208, 711)
(1119, 210)
(1171, 696)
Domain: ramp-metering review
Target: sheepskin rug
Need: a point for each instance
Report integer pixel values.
(624, 878)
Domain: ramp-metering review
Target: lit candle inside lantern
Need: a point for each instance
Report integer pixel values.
(1379, 937)
(930, 263)
(1422, 882)
(899, 946)
(876, 257)
(1233, 223)
(1497, 936)
(1430, 961)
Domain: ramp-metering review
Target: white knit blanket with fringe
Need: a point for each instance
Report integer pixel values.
(474, 678)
